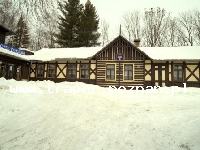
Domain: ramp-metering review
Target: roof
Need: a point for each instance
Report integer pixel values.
(49, 54)
(13, 54)
(172, 53)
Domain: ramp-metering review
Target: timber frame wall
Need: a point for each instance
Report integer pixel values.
(61, 71)
(162, 73)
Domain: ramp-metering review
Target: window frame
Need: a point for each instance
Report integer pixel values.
(39, 69)
(48, 71)
(84, 70)
(106, 70)
(179, 78)
(70, 70)
(128, 80)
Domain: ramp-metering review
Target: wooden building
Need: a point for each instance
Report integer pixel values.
(120, 63)
(13, 62)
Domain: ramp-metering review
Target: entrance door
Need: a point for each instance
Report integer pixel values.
(160, 75)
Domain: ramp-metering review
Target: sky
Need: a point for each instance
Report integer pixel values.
(113, 10)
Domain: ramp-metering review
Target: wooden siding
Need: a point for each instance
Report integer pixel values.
(138, 73)
(120, 45)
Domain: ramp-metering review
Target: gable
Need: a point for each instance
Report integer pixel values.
(120, 46)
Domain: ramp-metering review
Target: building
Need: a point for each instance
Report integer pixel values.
(14, 64)
(120, 63)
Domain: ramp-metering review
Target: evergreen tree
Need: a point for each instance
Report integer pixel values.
(21, 39)
(78, 25)
(69, 23)
(88, 32)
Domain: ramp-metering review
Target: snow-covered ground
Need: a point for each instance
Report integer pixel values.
(52, 118)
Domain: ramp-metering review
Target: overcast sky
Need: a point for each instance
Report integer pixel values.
(113, 10)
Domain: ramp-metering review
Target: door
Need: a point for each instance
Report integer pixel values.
(160, 74)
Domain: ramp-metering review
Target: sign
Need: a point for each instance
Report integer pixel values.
(15, 50)
(119, 56)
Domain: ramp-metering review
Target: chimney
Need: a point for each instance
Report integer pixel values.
(137, 42)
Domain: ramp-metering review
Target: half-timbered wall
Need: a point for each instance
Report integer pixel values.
(61, 71)
(161, 73)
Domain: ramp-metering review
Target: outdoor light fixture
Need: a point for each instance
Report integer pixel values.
(0, 62)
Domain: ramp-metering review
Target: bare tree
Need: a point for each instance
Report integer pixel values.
(8, 14)
(104, 32)
(155, 24)
(132, 24)
(186, 28)
(196, 23)
(171, 36)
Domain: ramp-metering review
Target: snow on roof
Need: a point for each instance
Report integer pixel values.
(49, 54)
(172, 53)
(13, 54)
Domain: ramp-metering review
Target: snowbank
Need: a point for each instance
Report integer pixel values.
(95, 120)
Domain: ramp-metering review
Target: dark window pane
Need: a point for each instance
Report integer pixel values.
(128, 72)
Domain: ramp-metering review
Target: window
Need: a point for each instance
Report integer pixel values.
(40, 70)
(51, 70)
(128, 72)
(85, 71)
(178, 73)
(71, 71)
(10, 71)
(110, 72)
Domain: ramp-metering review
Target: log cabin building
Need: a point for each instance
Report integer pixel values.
(120, 63)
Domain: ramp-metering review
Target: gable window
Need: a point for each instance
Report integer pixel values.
(84, 71)
(71, 71)
(110, 71)
(40, 70)
(128, 71)
(178, 73)
(51, 70)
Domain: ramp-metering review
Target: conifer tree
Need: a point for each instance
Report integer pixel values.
(88, 34)
(69, 23)
(21, 39)
(78, 25)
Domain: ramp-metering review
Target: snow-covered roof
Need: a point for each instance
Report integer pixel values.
(172, 53)
(49, 54)
(13, 54)
(155, 53)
